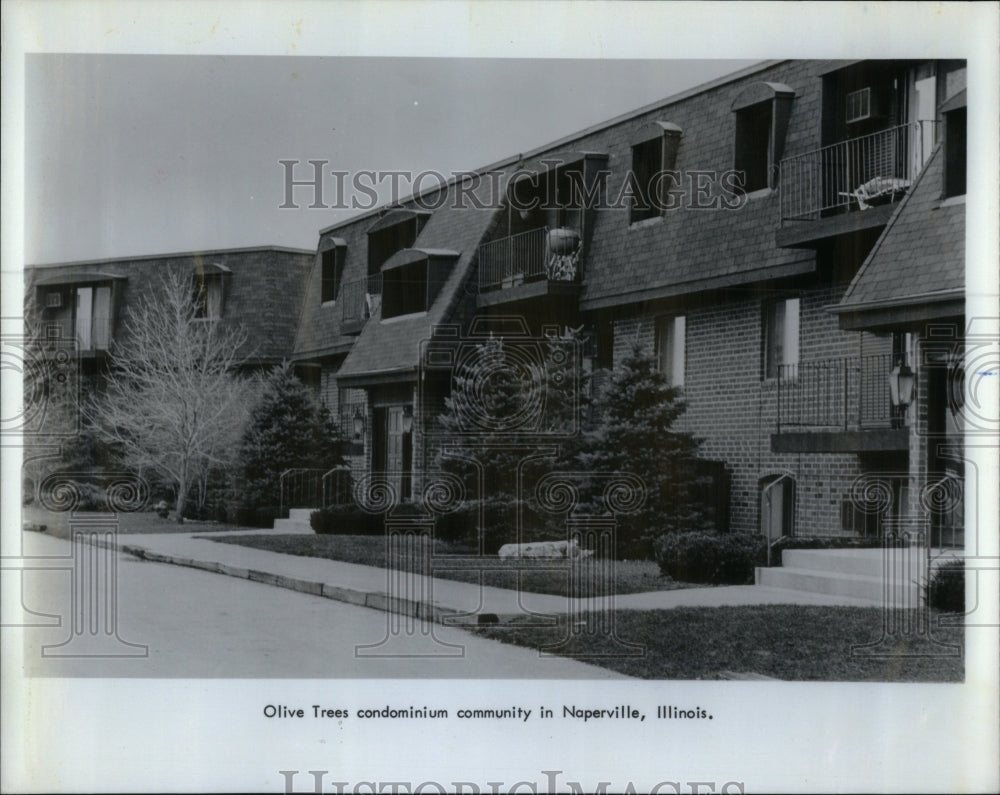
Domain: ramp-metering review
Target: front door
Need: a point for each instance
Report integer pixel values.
(394, 450)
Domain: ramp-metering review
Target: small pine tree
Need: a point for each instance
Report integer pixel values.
(499, 410)
(287, 430)
(632, 430)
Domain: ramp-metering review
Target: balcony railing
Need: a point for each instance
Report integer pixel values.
(853, 174)
(877, 501)
(525, 257)
(361, 298)
(846, 394)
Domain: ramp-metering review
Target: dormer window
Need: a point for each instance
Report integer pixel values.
(649, 159)
(93, 317)
(396, 230)
(762, 113)
(412, 279)
(209, 290)
(332, 256)
(954, 114)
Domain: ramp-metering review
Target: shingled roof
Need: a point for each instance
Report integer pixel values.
(388, 347)
(916, 270)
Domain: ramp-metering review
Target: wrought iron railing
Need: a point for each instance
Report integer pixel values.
(848, 393)
(879, 503)
(300, 488)
(509, 260)
(337, 486)
(852, 174)
(361, 298)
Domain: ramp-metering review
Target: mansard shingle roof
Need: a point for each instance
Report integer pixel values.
(919, 259)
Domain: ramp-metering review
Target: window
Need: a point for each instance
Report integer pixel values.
(670, 333)
(93, 318)
(954, 153)
(396, 230)
(404, 289)
(208, 296)
(647, 161)
(753, 145)
(331, 264)
(781, 338)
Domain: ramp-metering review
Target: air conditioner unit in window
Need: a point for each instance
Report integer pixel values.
(859, 105)
(53, 300)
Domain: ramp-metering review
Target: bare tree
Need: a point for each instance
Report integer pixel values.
(173, 402)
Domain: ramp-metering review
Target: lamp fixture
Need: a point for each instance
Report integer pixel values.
(901, 383)
(407, 419)
(359, 423)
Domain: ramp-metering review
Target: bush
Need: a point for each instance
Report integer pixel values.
(346, 520)
(946, 589)
(821, 542)
(713, 558)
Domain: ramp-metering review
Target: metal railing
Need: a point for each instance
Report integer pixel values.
(848, 393)
(520, 257)
(852, 174)
(337, 486)
(876, 499)
(300, 488)
(361, 298)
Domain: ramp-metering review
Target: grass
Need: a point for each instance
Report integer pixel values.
(790, 642)
(57, 524)
(536, 576)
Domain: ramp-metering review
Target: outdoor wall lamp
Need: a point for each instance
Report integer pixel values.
(901, 381)
(407, 419)
(359, 422)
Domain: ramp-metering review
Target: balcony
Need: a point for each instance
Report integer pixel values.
(848, 186)
(539, 262)
(360, 300)
(838, 405)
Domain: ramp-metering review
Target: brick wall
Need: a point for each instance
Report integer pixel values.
(734, 410)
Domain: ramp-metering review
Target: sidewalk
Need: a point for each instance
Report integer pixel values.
(439, 600)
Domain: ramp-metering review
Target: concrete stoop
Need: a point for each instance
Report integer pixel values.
(881, 577)
(297, 521)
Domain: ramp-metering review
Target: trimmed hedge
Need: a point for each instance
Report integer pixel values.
(713, 558)
(946, 590)
(823, 542)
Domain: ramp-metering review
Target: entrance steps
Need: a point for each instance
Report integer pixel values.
(297, 521)
(895, 577)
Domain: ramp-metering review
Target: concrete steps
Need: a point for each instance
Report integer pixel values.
(868, 574)
(297, 521)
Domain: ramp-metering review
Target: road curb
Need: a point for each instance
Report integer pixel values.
(375, 600)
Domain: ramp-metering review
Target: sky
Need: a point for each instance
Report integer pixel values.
(143, 154)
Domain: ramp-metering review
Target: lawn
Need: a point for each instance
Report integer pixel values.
(57, 523)
(791, 642)
(536, 576)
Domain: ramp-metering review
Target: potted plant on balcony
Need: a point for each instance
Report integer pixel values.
(563, 240)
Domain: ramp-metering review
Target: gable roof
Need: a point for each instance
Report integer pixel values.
(916, 270)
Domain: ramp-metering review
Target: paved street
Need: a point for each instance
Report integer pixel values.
(198, 624)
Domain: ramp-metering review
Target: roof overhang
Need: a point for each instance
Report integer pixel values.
(956, 102)
(378, 377)
(91, 277)
(407, 256)
(900, 312)
(397, 216)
